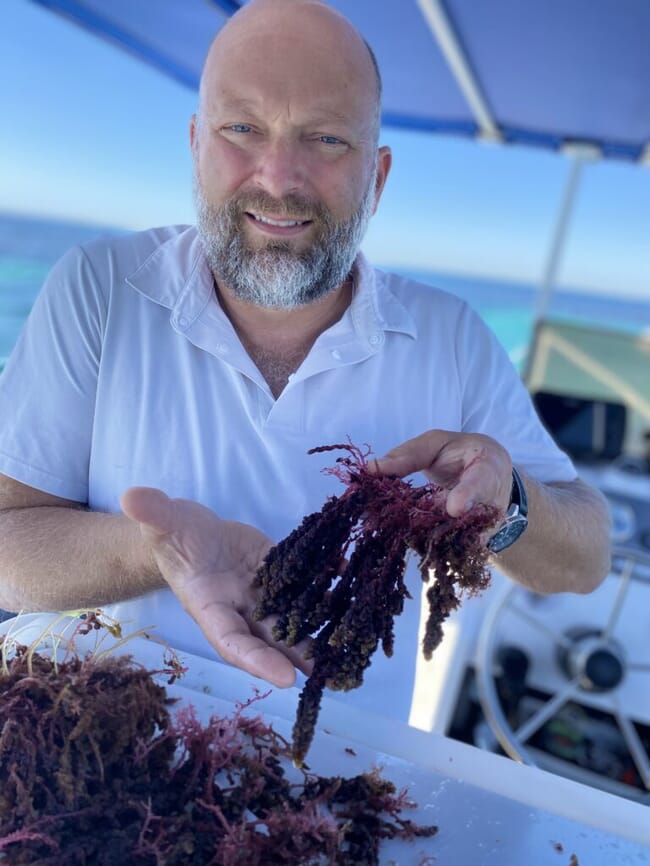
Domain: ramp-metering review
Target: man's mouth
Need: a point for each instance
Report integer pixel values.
(279, 226)
(280, 223)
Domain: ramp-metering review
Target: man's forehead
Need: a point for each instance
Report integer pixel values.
(310, 66)
(222, 99)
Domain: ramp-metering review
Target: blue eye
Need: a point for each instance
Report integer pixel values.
(330, 139)
(240, 127)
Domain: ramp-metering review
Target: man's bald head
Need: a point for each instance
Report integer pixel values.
(317, 26)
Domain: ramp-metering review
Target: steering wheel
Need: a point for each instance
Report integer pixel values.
(590, 662)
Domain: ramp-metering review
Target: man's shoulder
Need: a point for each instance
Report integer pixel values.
(164, 255)
(133, 246)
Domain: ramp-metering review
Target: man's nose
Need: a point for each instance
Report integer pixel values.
(281, 168)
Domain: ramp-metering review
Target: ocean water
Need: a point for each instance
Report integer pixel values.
(29, 247)
(509, 307)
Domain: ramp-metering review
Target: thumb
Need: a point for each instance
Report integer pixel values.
(150, 507)
(394, 463)
(415, 455)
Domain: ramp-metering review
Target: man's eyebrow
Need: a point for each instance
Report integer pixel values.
(317, 113)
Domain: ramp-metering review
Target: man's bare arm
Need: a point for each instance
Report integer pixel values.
(56, 555)
(566, 546)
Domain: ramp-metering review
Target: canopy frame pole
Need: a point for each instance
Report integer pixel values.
(447, 39)
(579, 154)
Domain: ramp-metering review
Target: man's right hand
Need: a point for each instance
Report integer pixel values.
(210, 564)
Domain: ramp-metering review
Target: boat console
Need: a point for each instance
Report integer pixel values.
(563, 681)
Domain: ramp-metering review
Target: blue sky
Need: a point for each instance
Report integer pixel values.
(89, 134)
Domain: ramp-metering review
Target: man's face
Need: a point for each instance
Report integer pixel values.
(285, 161)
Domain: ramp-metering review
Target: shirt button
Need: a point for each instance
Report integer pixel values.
(183, 322)
(336, 354)
(375, 340)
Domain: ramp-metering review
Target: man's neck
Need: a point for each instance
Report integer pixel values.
(279, 340)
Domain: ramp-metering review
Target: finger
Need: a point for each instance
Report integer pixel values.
(298, 654)
(478, 483)
(258, 659)
(230, 635)
(415, 455)
(149, 507)
(462, 499)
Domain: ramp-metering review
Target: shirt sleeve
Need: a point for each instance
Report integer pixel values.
(497, 403)
(48, 387)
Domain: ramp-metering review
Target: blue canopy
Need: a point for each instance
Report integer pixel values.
(537, 72)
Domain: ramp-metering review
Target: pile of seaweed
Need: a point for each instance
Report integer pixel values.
(348, 611)
(96, 770)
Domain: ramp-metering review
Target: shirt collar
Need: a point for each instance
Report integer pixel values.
(374, 308)
(176, 276)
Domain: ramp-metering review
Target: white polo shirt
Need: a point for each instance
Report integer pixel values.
(128, 372)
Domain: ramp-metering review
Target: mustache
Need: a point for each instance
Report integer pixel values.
(293, 205)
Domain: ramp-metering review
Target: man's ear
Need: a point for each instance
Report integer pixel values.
(384, 162)
(193, 129)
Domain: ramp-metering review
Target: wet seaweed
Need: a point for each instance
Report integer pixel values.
(348, 611)
(97, 768)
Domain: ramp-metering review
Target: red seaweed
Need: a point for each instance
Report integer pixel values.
(96, 770)
(349, 611)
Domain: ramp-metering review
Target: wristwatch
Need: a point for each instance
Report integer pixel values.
(516, 519)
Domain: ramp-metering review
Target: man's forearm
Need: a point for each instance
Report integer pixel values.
(56, 558)
(567, 544)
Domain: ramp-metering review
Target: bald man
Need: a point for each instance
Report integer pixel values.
(158, 408)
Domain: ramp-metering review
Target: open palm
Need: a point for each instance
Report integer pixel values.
(210, 564)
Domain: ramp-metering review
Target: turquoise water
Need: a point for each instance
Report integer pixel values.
(19, 281)
(509, 308)
(29, 247)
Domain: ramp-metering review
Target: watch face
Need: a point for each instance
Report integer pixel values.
(508, 534)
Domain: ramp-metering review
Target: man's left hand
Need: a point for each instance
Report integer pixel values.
(472, 467)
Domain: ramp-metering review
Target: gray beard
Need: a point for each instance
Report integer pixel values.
(276, 275)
